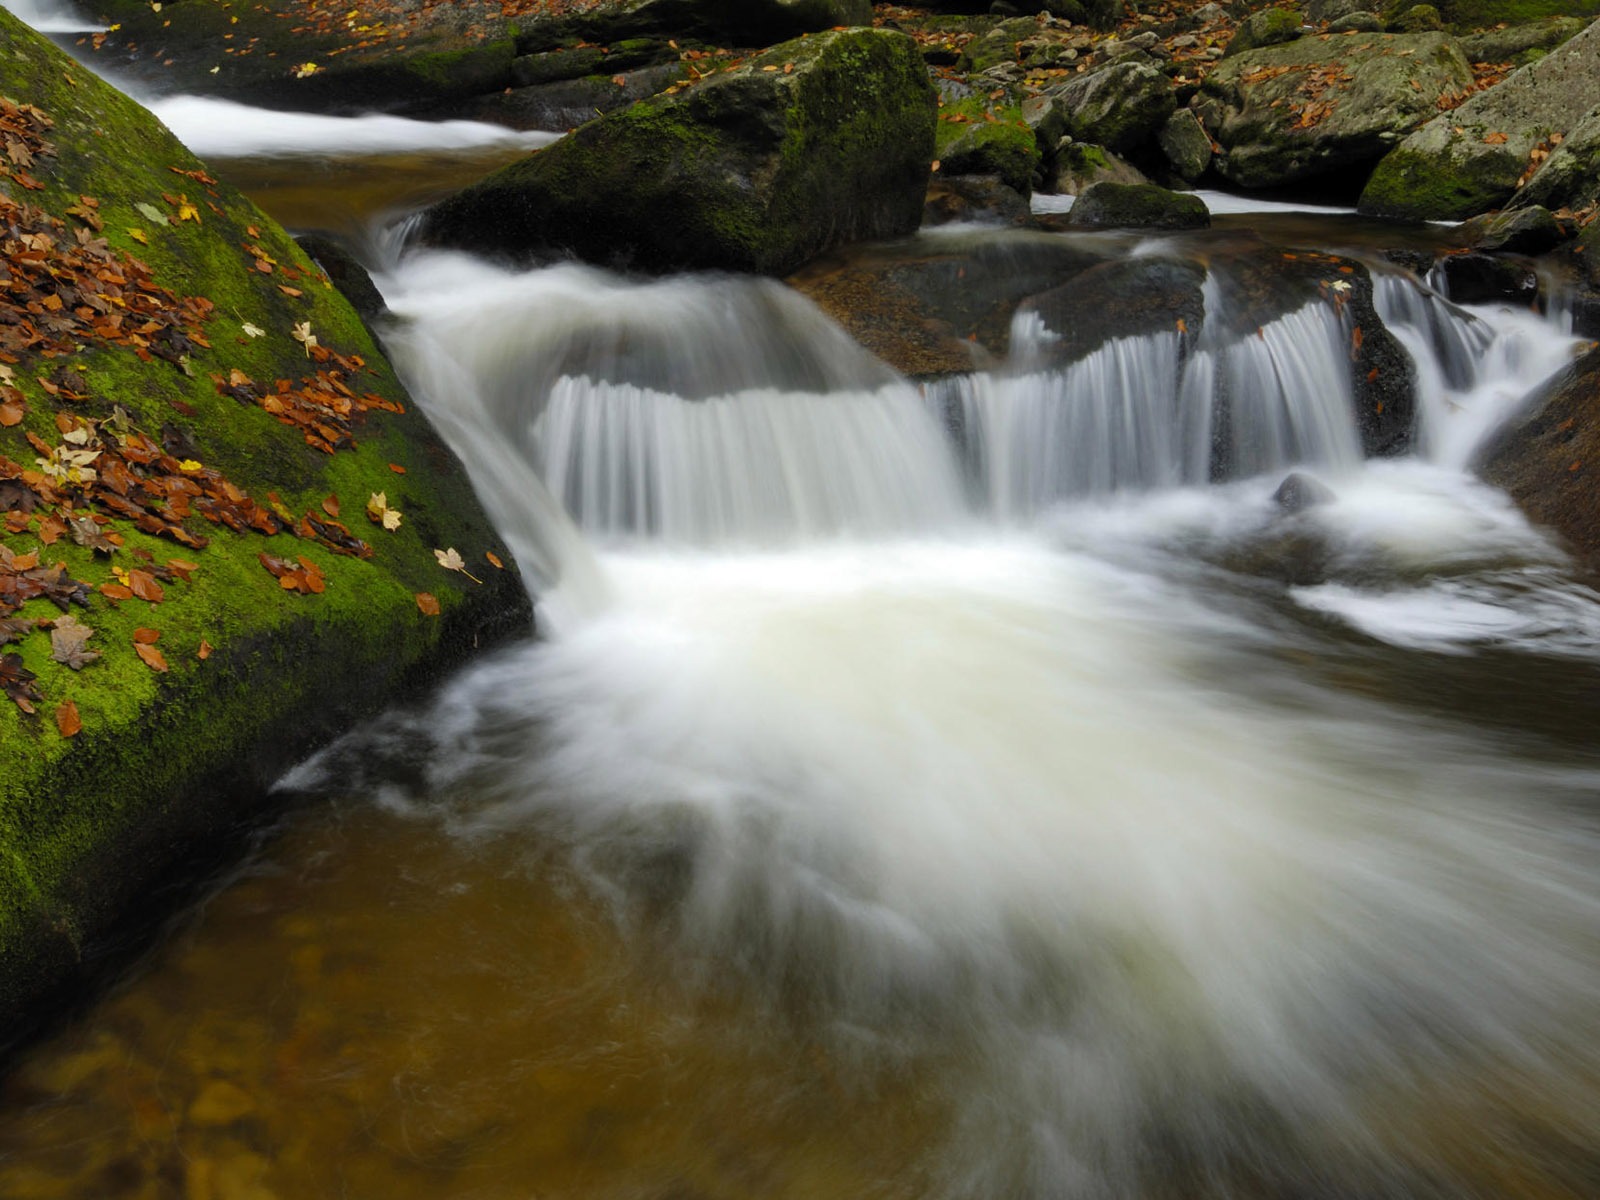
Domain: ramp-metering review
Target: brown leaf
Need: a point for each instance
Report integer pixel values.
(115, 591)
(144, 585)
(67, 719)
(153, 658)
(148, 637)
(67, 639)
(204, 652)
(428, 603)
(494, 560)
(16, 681)
(331, 506)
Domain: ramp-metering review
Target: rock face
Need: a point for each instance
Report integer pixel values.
(1570, 177)
(164, 434)
(815, 143)
(1125, 298)
(1139, 206)
(1548, 458)
(1439, 173)
(1312, 108)
(1270, 27)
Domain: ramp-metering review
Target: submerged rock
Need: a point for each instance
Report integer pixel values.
(1125, 298)
(1300, 491)
(1470, 160)
(1139, 206)
(210, 406)
(1313, 108)
(814, 143)
(1548, 458)
(1518, 231)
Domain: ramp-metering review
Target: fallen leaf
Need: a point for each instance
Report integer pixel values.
(397, 468)
(331, 506)
(144, 585)
(153, 658)
(253, 331)
(494, 560)
(148, 637)
(204, 652)
(67, 719)
(67, 638)
(152, 214)
(138, 235)
(428, 603)
(16, 681)
(451, 560)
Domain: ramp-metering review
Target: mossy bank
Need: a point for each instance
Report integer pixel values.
(193, 424)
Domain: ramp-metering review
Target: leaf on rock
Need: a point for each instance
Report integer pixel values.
(67, 719)
(494, 560)
(144, 585)
(153, 658)
(67, 639)
(204, 652)
(152, 214)
(428, 603)
(16, 681)
(451, 560)
(147, 637)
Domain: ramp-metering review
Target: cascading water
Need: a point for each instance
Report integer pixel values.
(1079, 828)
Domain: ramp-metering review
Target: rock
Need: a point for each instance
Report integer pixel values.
(1321, 12)
(1357, 22)
(568, 103)
(751, 170)
(1586, 249)
(719, 22)
(170, 763)
(1300, 491)
(1079, 166)
(1138, 206)
(1570, 177)
(1475, 278)
(1418, 18)
(1313, 108)
(221, 1103)
(1002, 149)
(997, 47)
(981, 198)
(346, 274)
(1186, 144)
(1519, 231)
(1125, 298)
(1120, 107)
(1547, 458)
(1440, 174)
(1508, 45)
(1270, 27)
(553, 66)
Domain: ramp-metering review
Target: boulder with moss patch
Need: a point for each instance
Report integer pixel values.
(1001, 148)
(815, 143)
(1312, 108)
(196, 424)
(1270, 27)
(1139, 206)
(1121, 106)
(1570, 176)
(1472, 159)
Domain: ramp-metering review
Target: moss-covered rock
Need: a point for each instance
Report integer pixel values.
(1315, 108)
(1548, 458)
(193, 299)
(1270, 27)
(1080, 165)
(1186, 145)
(1004, 148)
(722, 22)
(1120, 106)
(1570, 176)
(1484, 14)
(817, 142)
(1532, 230)
(1470, 160)
(996, 47)
(1509, 44)
(1413, 18)
(1139, 206)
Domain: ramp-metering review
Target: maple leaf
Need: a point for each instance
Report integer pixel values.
(67, 639)
(16, 681)
(254, 331)
(379, 512)
(85, 532)
(15, 628)
(187, 211)
(303, 335)
(451, 560)
(67, 719)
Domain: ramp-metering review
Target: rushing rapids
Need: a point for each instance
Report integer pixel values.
(921, 791)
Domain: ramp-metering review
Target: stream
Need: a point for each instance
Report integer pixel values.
(895, 805)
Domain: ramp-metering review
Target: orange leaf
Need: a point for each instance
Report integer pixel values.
(24, 562)
(115, 591)
(67, 719)
(331, 506)
(204, 652)
(494, 560)
(289, 291)
(428, 603)
(144, 585)
(1494, 139)
(153, 658)
(397, 468)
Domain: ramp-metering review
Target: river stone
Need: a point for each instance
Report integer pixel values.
(1548, 458)
(1570, 177)
(1322, 12)
(1138, 206)
(1121, 106)
(1300, 491)
(168, 763)
(1186, 144)
(1532, 230)
(1270, 27)
(997, 148)
(1475, 278)
(1366, 92)
(755, 169)
(1469, 160)
(977, 198)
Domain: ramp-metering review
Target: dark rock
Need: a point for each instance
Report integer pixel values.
(751, 170)
(1139, 206)
(1475, 278)
(981, 198)
(568, 103)
(1517, 230)
(1356, 22)
(1079, 166)
(1186, 144)
(1300, 491)
(1270, 27)
(1119, 299)
(1120, 107)
(999, 148)
(1548, 458)
(346, 274)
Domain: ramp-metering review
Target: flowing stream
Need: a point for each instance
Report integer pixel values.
(887, 813)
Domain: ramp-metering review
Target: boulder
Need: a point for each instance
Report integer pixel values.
(1079, 166)
(1475, 278)
(1123, 298)
(1532, 230)
(1121, 106)
(1470, 160)
(1269, 27)
(1322, 12)
(202, 524)
(1003, 148)
(1313, 108)
(1570, 176)
(1415, 18)
(567, 103)
(1356, 22)
(1186, 144)
(1548, 457)
(815, 143)
(1512, 43)
(973, 198)
(1138, 206)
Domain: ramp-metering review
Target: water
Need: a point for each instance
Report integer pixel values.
(897, 814)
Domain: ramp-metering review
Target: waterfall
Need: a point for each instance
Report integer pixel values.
(50, 16)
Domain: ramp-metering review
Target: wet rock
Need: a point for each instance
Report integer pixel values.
(1186, 144)
(973, 198)
(1475, 278)
(1001, 149)
(1470, 160)
(1314, 108)
(1127, 298)
(1519, 230)
(1120, 107)
(720, 22)
(568, 103)
(1079, 166)
(346, 274)
(752, 170)
(1139, 206)
(1548, 458)
(1270, 27)
(1300, 491)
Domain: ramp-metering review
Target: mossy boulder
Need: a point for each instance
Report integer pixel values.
(1570, 176)
(1004, 148)
(1485, 14)
(1079, 166)
(1314, 108)
(1511, 43)
(721, 22)
(168, 307)
(1139, 206)
(1270, 27)
(1121, 106)
(1186, 144)
(1470, 160)
(996, 47)
(817, 142)
(1549, 456)
(1413, 18)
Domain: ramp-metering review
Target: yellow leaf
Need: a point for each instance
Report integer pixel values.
(138, 236)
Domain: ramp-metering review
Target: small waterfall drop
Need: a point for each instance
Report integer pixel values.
(50, 16)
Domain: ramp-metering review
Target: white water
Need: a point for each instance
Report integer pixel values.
(49, 16)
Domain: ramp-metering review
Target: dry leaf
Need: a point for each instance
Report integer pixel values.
(67, 719)
(428, 603)
(67, 638)
(153, 658)
(451, 560)
(204, 652)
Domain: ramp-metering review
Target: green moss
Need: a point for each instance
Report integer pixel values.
(1480, 14)
(1439, 187)
(1005, 148)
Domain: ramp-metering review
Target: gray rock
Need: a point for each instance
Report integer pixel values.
(1469, 161)
(1186, 144)
(1138, 206)
(1300, 491)
(1362, 93)
(1124, 298)
(1079, 166)
(1570, 177)
(1358, 22)
(1530, 230)
(1270, 27)
(1319, 12)
(1120, 107)
(1505, 45)
(977, 198)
